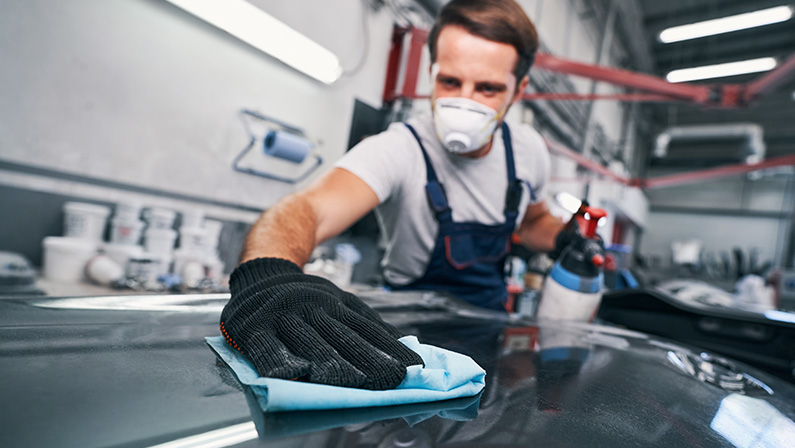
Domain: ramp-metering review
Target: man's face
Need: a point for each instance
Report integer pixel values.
(471, 67)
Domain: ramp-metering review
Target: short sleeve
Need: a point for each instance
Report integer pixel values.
(533, 162)
(381, 161)
(542, 168)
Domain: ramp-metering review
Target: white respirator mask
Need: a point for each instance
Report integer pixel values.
(463, 125)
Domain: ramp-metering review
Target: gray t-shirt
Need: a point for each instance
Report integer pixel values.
(391, 163)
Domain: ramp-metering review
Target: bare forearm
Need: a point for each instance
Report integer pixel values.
(287, 230)
(539, 234)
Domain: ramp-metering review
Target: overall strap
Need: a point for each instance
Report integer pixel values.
(433, 188)
(513, 197)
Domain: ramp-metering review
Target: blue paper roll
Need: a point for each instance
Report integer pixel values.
(287, 146)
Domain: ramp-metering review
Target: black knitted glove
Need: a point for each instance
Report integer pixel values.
(297, 326)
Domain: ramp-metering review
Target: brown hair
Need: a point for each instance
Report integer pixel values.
(501, 21)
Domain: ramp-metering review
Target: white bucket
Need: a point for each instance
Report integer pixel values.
(213, 229)
(160, 218)
(143, 269)
(120, 253)
(83, 220)
(191, 239)
(159, 241)
(125, 231)
(192, 219)
(65, 258)
(128, 210)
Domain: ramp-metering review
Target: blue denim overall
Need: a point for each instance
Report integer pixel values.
(468, 257)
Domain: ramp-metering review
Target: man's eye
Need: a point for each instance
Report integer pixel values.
(449, 82)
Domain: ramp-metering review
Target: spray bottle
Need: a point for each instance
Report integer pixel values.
(573, 288)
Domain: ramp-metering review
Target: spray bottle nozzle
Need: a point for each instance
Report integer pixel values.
(598, 260)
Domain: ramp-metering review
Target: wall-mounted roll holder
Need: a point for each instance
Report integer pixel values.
(282, 141)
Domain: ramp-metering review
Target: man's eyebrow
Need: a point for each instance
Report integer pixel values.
(493, 85)
(443, 76)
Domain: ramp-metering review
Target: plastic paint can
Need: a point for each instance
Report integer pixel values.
(143, 269)
(65, 258)
(159, 241)
(125, 231)
(84, 220)
(160, 218)
(192, 239)
(192, 219)
(128, 210)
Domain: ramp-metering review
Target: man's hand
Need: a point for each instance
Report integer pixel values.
(297, 326)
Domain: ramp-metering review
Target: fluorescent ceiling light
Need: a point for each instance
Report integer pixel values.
(722, 70)
(264, 32)
(726, 24)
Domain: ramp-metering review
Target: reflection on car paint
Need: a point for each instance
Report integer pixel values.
(717, 371)
(749, 422)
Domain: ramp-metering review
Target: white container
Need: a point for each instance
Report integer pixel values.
(159, 241)
(191, 239)
(128, 210)
(192, 219)
(120, 253)
(125, 231)
(160, 218)
(65, 258)
(83, 220)
(143, 269)
(213, 229)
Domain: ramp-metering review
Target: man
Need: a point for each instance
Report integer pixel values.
(449, 189)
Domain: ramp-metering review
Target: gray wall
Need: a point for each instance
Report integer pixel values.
(725, 213)
(141, 92)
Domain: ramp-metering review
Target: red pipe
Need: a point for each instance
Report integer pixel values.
(650, 97)
(586, 162)
(694, 93)
(712, 173)
(393, 64)
(770, 81)
(418, 39)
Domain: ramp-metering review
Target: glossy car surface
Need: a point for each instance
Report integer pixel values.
(702, 315)
(135, 371)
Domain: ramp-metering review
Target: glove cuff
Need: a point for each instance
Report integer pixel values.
(255, 270)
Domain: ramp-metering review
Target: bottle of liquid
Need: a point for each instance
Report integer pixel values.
(573, 288)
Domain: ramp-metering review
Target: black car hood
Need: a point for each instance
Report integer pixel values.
(135, 371)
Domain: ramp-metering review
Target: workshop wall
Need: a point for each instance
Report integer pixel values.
(140, 92)
(136, 99)
(568, 29)
(723, 214)
(88, 90)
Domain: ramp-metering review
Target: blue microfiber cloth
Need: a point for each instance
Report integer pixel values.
(273, 425)
(446, 375)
